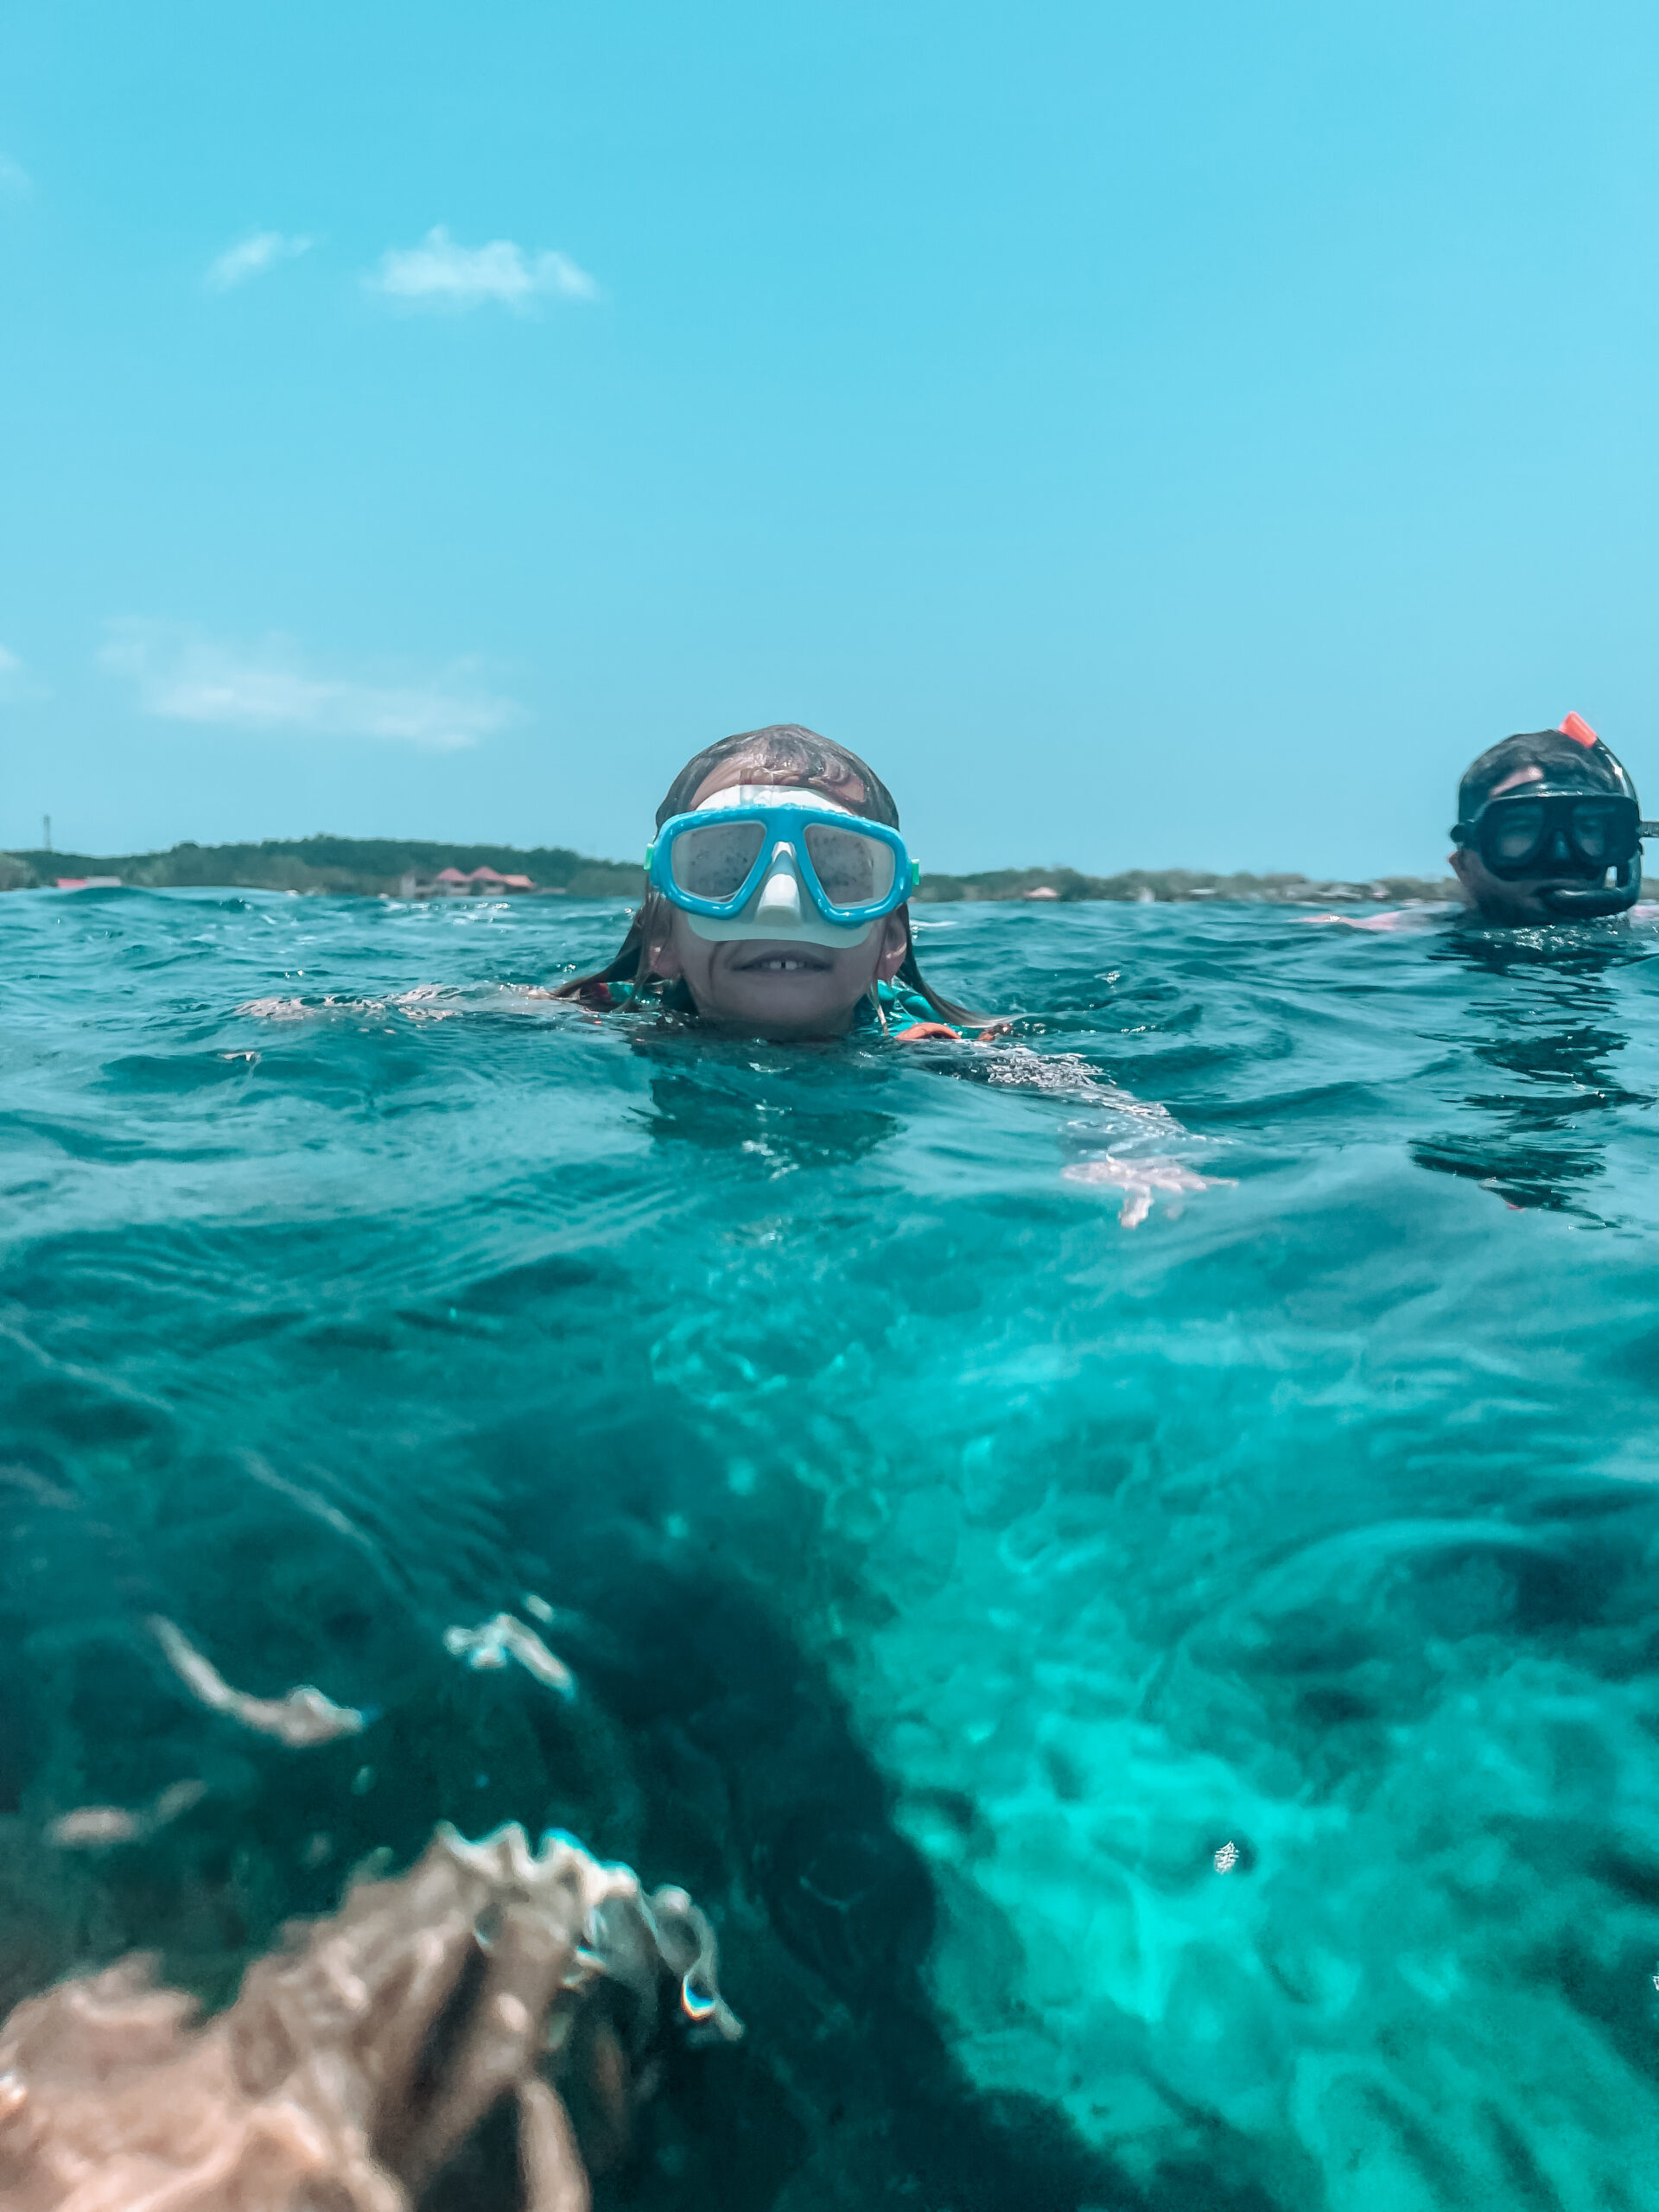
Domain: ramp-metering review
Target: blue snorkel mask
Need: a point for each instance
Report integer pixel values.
(781, 861)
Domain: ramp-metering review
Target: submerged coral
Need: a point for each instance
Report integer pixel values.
(355, 2063)
(494, 1641)
(90, 1827)
(304, 1716)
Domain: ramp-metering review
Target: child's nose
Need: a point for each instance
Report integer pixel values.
(780, 894)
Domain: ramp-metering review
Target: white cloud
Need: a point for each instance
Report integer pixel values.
(16, 681)
(438, 273)
(182, 676)
(14, 178)
(251, 256)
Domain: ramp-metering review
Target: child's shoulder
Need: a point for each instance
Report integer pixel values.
(899, 1003)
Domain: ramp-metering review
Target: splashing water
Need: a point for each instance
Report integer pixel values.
(1228, 1636)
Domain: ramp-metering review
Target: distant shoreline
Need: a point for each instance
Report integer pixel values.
(389, 867)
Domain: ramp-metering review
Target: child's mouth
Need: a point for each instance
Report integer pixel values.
(772, 961)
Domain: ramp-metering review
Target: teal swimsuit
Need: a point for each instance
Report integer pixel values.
(894, 1007)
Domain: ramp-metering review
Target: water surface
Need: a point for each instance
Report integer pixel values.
(1165, 1715)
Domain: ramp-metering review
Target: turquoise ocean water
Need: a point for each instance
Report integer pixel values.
(1163, 1715)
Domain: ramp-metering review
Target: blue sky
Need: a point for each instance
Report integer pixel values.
(1152, 435)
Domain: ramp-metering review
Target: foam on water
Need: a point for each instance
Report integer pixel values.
(1248, 1616)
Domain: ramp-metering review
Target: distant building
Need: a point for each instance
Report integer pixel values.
(455, 883)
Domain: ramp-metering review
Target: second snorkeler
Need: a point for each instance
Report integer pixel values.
(777, 901)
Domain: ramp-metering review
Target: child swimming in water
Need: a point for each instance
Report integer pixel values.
(777, 900)
(776, 906)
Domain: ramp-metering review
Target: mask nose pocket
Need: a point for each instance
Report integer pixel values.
(780, 894)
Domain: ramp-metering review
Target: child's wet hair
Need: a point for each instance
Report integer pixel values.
(786, 749)
(783, 750)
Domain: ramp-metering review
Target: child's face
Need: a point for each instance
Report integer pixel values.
(777, 987)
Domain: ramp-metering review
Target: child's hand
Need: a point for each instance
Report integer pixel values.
(920, 1030)
(1138, 1179)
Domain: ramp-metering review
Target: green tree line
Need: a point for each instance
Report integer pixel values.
(378, 866)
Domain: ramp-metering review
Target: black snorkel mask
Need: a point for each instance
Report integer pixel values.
(1556, 826)
(1564, 833)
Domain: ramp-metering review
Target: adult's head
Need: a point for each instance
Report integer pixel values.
(1549, 829)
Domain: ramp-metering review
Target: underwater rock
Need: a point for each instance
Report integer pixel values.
(357, 2061)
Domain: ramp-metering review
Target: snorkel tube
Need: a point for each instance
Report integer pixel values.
(1598, 900)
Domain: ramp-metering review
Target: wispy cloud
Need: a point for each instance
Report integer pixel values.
(251, 256)
(18, 681)
(440, 274)
(14, 178)
(180, 676)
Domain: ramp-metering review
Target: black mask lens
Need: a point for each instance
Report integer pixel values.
(1516, 833)
(1595, 834)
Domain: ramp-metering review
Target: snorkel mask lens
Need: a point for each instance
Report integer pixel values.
(1514, 836)
(1595, 831)
(853, 870)
(715, 863)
